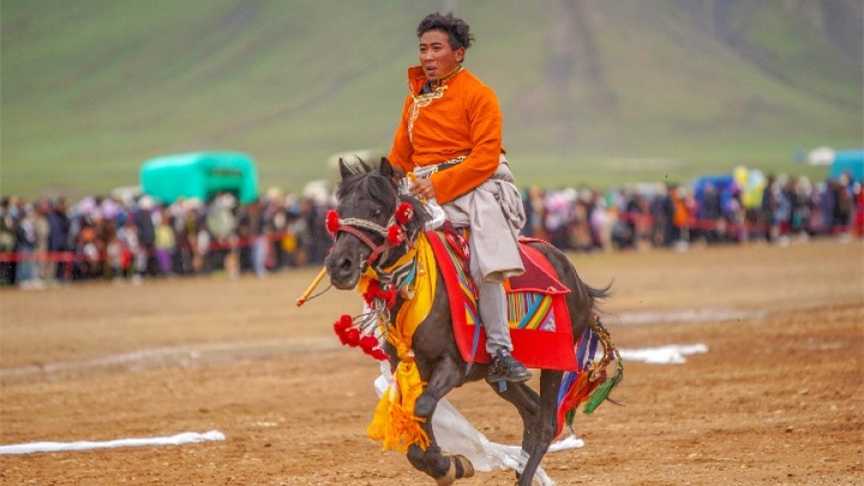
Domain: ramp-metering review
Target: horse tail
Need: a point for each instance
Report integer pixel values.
(601, 293)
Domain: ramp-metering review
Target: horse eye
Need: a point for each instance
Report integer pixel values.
(376, 212)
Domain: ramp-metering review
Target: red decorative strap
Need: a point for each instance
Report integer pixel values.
(457, 242)
(395, 234)
(360, 235)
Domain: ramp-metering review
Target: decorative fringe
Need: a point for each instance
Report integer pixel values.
(591, 387)
(394, 423)
(609, 351)
(360, 332)
(602, 392)
(581, 390)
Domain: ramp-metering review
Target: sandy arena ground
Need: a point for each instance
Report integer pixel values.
(778, 399)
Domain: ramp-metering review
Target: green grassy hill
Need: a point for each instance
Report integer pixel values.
(592, 91)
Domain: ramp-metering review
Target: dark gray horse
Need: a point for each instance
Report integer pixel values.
(372, 197)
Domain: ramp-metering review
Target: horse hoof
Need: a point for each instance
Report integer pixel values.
(447, 479)
(465, 464)
(460, 468)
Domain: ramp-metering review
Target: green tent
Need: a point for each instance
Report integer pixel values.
(200, 175)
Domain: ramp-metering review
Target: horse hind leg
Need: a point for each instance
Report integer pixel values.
(527, 403)
(550, 382)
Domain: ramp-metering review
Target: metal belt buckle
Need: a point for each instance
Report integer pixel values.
(424, 172)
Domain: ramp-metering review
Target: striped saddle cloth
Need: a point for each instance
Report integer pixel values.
(540, 325)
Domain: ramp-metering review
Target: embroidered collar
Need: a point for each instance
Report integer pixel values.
(417, 80)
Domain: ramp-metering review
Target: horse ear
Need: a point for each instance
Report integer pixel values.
(344, 170)
(387, 169)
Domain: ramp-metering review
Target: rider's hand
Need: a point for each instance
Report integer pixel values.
(423, 188)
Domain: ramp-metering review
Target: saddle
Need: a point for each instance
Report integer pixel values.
(540, 326)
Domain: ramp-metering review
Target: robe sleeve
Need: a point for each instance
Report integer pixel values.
(484, 118)
(402, 150)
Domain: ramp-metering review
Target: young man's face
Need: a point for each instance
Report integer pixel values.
(437, 58)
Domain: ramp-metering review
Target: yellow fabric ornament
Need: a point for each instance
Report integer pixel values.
(394, 423)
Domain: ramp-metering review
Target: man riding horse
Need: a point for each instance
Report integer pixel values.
(451, 127)
(418, 301)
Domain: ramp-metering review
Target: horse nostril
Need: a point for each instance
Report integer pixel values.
(345, 265)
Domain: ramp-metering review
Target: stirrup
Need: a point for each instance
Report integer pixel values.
(499, 373)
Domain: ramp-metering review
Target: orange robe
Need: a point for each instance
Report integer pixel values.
(459, 118)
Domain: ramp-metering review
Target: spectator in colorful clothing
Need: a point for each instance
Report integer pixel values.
(165, 243)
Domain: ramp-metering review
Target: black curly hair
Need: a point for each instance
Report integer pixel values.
(456, 29)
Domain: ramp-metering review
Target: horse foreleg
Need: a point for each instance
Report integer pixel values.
(550, 382)
(445, 376)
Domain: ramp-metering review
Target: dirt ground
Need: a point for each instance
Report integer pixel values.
(778, 398)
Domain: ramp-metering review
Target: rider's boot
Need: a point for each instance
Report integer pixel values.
(493, 312)
(506, 368)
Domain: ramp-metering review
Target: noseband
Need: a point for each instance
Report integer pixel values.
(394, 234)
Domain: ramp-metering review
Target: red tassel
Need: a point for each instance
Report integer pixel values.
(343, 323)
(352, 337)
(389, 297)
(379, 354)
(372, 290)
(340, 333)
(368, 343)
(404, 213)
(332, 222)
(395, 235)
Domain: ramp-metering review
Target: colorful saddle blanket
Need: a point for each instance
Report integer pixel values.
(540, 326)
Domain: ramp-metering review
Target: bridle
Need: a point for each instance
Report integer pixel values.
(394, 233)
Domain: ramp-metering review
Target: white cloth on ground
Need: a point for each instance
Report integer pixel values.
(455, 435)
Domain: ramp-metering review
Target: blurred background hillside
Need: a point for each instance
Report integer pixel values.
(592, 91)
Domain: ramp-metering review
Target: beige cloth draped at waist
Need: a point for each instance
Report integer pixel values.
(494, 213)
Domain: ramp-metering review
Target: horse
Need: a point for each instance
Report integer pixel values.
(366, 202)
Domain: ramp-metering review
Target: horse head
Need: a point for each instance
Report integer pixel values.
(372, 224)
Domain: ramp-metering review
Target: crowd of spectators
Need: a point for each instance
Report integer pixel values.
(106, 238)
(788, 208)
(49, 241)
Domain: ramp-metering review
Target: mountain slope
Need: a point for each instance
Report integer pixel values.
(592, 91)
